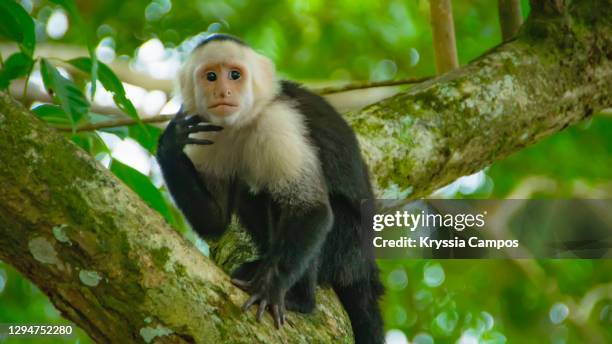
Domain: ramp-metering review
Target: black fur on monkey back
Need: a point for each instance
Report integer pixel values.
(338, 149)
(346, 261)
(348, 184)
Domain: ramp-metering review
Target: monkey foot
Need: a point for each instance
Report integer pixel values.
(271, 298)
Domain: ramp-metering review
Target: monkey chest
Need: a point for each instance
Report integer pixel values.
(260, 165)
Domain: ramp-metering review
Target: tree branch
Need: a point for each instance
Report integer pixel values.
(112, 123)
(364, 85)
(443, 31)
(510, 17)
(556, 72)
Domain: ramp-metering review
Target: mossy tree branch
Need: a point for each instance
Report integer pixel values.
(113, 266)
(556, 72)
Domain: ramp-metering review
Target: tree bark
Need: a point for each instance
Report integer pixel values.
(113, 266)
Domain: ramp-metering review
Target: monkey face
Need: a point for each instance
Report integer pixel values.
(222, 86)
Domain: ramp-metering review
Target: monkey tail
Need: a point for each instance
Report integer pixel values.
(360, 300)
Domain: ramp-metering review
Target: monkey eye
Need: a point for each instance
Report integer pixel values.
(211, 76)
(234, 75)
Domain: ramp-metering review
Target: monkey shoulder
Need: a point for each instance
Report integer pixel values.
(283, 158)
(342, 164)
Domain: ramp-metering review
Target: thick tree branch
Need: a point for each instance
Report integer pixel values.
(114, 267)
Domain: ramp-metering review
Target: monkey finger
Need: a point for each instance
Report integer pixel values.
(283, 312)
(261, 309)
(202, 127)
(190, 120)
(198, 142)
(244, 285)
(279, 316)
(250, 302)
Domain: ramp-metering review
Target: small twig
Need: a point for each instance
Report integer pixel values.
(116, 123)
(589, 301)
(27, 79)
(510, 17)
(363, 85)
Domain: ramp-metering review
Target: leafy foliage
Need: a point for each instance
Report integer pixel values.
(65, 92)
(52, 114)
(143, 187)
(17, 25)
(17, 65)
(71, 7)
(110, 82)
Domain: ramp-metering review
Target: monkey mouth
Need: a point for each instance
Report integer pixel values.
(222, 104)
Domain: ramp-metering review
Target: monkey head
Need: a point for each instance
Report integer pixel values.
(226, 82)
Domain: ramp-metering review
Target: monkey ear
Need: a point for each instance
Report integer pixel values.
(186, 86)
(265, 85)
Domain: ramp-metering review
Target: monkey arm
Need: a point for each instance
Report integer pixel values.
(202, 210)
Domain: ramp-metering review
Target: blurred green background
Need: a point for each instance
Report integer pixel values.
(467, 301)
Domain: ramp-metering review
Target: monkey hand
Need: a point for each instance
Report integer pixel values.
(176, 135)
(265, 288)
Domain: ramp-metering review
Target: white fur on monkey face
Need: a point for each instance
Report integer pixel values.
(239, 117)
(259, 88)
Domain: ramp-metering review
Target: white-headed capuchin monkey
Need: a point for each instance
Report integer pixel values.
(283, 160)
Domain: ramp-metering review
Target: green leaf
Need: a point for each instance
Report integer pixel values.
(17, 65)
(121, 132)
(111, 83)
(91, 142)
(146, 135)
(65, 92)
(52, 114)
(142, 185)
(17, 25)
(9, 26)
(72, 9)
